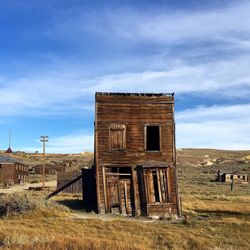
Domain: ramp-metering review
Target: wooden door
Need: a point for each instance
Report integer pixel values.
(120, 197)
(113, 194)
(126, 195)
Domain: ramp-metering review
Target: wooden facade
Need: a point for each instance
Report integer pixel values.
(12, 172)
(135, 159)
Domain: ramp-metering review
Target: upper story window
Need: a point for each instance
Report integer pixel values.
(117, 137)
(152, 138)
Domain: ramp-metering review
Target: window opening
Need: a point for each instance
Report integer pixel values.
(152, 138)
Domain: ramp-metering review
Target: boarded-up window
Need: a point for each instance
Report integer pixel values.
(117, 136)
(157, 185)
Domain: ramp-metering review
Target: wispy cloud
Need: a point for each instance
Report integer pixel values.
(225, 127)
(60, 93)
(77, 142)
(202, 52)
(229, 24)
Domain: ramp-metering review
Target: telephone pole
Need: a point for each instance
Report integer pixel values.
(44, 139)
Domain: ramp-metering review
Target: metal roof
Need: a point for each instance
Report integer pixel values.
(7, 159)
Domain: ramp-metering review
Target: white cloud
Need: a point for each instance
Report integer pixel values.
(224, 127)
(222, 77)
(230, 24)
(77, 142)
(60, 93)
(175, 27)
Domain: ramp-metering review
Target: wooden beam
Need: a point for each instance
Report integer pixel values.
(126, 197)
(63, 187)
(104, 188)
(159, 185)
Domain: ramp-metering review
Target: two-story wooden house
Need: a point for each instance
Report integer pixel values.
(12, 171)
(135, 159)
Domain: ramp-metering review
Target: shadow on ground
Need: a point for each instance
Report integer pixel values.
(74, 204)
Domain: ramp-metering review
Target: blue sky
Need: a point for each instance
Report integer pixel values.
(54, 55)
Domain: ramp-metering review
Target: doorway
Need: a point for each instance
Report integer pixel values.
(119, 190)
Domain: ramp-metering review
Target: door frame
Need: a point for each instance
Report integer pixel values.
(105, 185)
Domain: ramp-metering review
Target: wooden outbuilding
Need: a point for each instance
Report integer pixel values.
(229, 176)
(135, 154)
(12, 171)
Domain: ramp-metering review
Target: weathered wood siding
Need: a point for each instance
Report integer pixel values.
(65, 177)
(13, 173)
(135, 112)
(8, 173)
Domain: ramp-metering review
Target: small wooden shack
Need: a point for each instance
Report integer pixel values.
(229, 176)
(12, 171)
(135, 154)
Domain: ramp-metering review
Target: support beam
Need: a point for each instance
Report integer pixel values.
(63, 187)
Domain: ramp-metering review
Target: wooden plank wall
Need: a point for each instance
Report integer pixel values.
(134, 112)
(7, 173)
(11, 173)
(65, 177)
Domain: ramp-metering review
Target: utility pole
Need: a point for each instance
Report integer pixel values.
(44, 139)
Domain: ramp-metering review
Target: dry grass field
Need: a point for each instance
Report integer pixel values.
(216, 217)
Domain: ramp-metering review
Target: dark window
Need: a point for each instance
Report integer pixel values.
(153, 138)
(156, 187)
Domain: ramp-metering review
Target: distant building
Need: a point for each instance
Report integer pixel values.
(12, 171)
(50, 168)
(9, 151)
(228, 176)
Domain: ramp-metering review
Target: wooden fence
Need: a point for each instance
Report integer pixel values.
(65, 177)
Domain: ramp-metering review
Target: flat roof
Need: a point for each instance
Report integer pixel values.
(231, 172)
(8, 160)
(133, 94)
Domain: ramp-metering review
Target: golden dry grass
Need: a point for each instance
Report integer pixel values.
(35, 231)
(216, 223)
(216, 219)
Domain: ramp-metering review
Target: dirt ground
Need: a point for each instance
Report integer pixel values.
(26, 186)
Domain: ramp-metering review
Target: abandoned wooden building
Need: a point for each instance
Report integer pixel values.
(12, 171)
(229, 176)
(135, 154)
